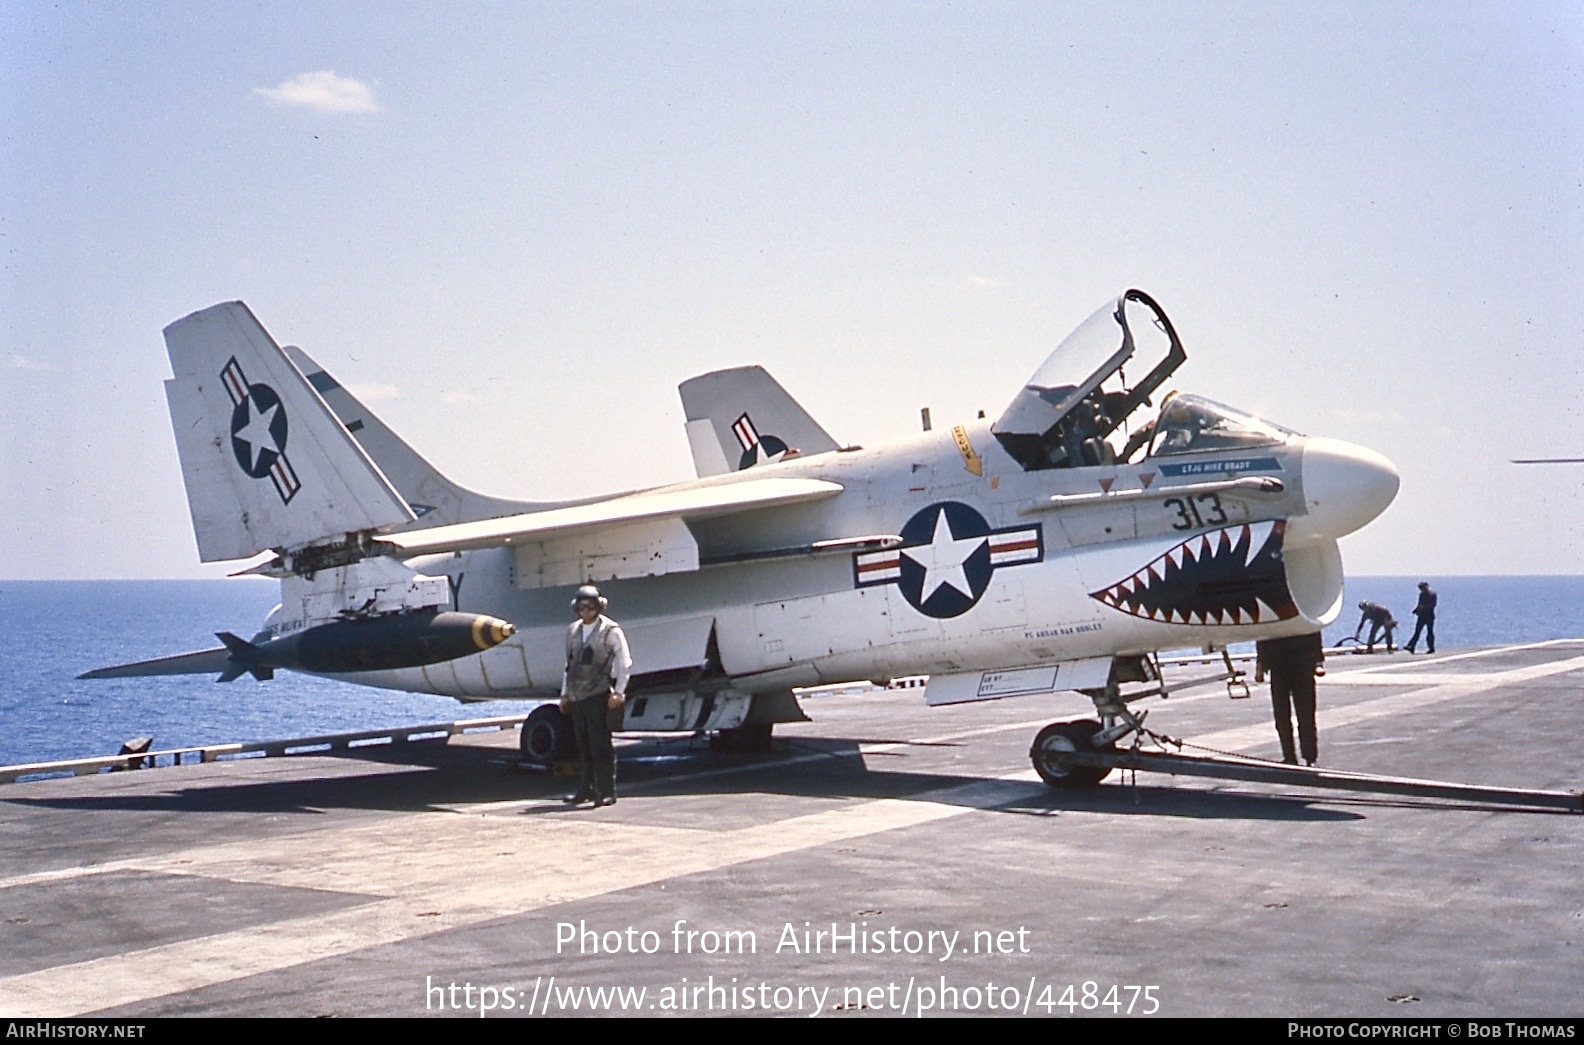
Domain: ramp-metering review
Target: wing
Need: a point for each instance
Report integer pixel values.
(637, 535)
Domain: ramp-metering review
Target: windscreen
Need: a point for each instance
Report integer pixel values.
(1190, 424)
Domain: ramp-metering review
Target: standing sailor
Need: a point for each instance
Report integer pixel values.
(597, 668)
(1424, 618)
(1293, 664)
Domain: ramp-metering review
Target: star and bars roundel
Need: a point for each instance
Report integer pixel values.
(946, 559)
(258, 431)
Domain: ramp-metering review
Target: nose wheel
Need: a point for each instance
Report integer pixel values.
(1060, 738)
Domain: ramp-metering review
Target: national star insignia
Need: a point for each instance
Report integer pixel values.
(256, 433)
(943, 558)
(948, 557)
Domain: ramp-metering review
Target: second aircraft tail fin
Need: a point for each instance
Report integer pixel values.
(742, 417)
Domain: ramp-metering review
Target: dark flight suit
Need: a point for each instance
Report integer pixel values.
(1291, 663)
(1424, 619)
(1379, 619)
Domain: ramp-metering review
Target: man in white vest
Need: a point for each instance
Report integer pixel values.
(597, 668)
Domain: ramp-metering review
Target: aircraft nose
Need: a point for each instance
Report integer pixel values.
(1345, 486)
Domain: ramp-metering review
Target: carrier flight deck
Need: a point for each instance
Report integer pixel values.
(879, 859)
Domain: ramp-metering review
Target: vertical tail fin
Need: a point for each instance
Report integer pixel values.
(266, 463)
(742, 417)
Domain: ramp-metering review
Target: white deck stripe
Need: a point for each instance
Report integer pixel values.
(1396, 704)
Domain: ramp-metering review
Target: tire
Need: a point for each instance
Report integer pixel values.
(754, 737)
(1067, 736)
(546, 736)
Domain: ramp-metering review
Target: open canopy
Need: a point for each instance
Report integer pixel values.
(1062, 417)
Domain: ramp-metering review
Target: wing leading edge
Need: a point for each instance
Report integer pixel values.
(638, 535)
(698, 503)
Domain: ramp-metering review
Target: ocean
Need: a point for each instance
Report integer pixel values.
(51, 631)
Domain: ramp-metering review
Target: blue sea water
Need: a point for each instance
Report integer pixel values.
(51, 631)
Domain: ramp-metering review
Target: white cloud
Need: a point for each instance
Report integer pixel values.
(23, 363)
(374, 393)
(460, 397)
(323, 91)
(981, 281)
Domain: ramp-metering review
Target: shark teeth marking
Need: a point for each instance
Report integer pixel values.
(1258, 534)
(1234, 575)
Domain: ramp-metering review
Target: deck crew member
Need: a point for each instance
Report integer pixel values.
(1424, 618)
(597, 667)
(1379, 619)
(1293, 663)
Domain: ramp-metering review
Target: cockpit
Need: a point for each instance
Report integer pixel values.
(1103, 419)
(1191, 424)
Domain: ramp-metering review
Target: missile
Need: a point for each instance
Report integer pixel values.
(397, 640)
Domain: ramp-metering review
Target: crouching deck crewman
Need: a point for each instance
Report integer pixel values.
(597, 668)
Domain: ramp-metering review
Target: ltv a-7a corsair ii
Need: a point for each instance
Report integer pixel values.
(1058, 547)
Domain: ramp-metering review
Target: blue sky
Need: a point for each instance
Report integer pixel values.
(516, 227)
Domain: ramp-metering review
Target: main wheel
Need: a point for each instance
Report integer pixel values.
(1059, 737)
(747, 738)
(546, 736)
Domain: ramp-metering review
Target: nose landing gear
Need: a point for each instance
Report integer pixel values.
(1073, 755)
(1061, 738)
(1089, 737)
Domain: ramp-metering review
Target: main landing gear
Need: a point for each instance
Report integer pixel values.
(546, 736)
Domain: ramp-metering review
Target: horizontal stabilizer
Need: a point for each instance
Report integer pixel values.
(698, 503)
(203, 662)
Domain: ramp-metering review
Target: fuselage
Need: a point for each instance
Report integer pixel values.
(999, 567)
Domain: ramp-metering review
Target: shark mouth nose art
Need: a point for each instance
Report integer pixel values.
(1234, 575)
